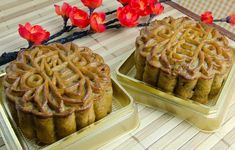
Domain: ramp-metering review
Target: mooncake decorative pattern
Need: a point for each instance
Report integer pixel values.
(55, 90)
(184, 57)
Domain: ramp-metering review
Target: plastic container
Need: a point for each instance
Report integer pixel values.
(123, 119)
(206, 117)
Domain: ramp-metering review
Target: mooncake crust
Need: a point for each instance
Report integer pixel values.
(55, 90)
(183, 57)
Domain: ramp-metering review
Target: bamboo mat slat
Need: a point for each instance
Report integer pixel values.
(158, 129)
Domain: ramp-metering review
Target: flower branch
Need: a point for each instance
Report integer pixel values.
(77, 35)
(111, 12)
(111, 22)
(94, 22)
(64, 30)
(7, 57)
(208, 18)
(74, 36)
(88, 22)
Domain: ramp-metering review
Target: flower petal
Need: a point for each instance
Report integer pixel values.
(127, 16)
(142, 7)
(123, 2)
(92, 3)
(97, 20)
(57, 10)
(35, 34)
(38, 37)
(66, 9)
(207, 17)
(28, 26)
(24, 33)
(36, 28)
(157, 8)
(79, 18)
(232, 19)
(101, 28)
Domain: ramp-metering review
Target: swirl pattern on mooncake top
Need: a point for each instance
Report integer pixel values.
(184, 57)
(55, 90)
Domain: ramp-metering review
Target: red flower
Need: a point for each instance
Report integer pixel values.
(157, 8)
(92, 3)
(97, 22)
(123, 2)
(207, 17)
(127, 16)
(142, 7)
(63, 11)
(231, 19)
(35, 34)
(79, 18)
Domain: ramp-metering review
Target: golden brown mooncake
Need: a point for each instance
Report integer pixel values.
(184, 57)
(53, 91)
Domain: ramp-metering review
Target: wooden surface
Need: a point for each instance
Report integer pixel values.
(158, 129)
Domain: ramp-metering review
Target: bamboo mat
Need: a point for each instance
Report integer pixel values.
(158, 129)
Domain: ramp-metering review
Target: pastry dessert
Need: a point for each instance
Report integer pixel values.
(181, 56)
(55, 90)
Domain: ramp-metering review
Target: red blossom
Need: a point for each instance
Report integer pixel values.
(124, 2)
(97, 22)
(79, 18)
(142, 7)
(92, 3)
(157, 8)
(35, 34)
(207, 17)
(63, 11)
(231, 19)
(127, 16)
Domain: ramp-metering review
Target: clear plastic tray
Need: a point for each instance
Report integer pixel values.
(206, 117)
(123, 119)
